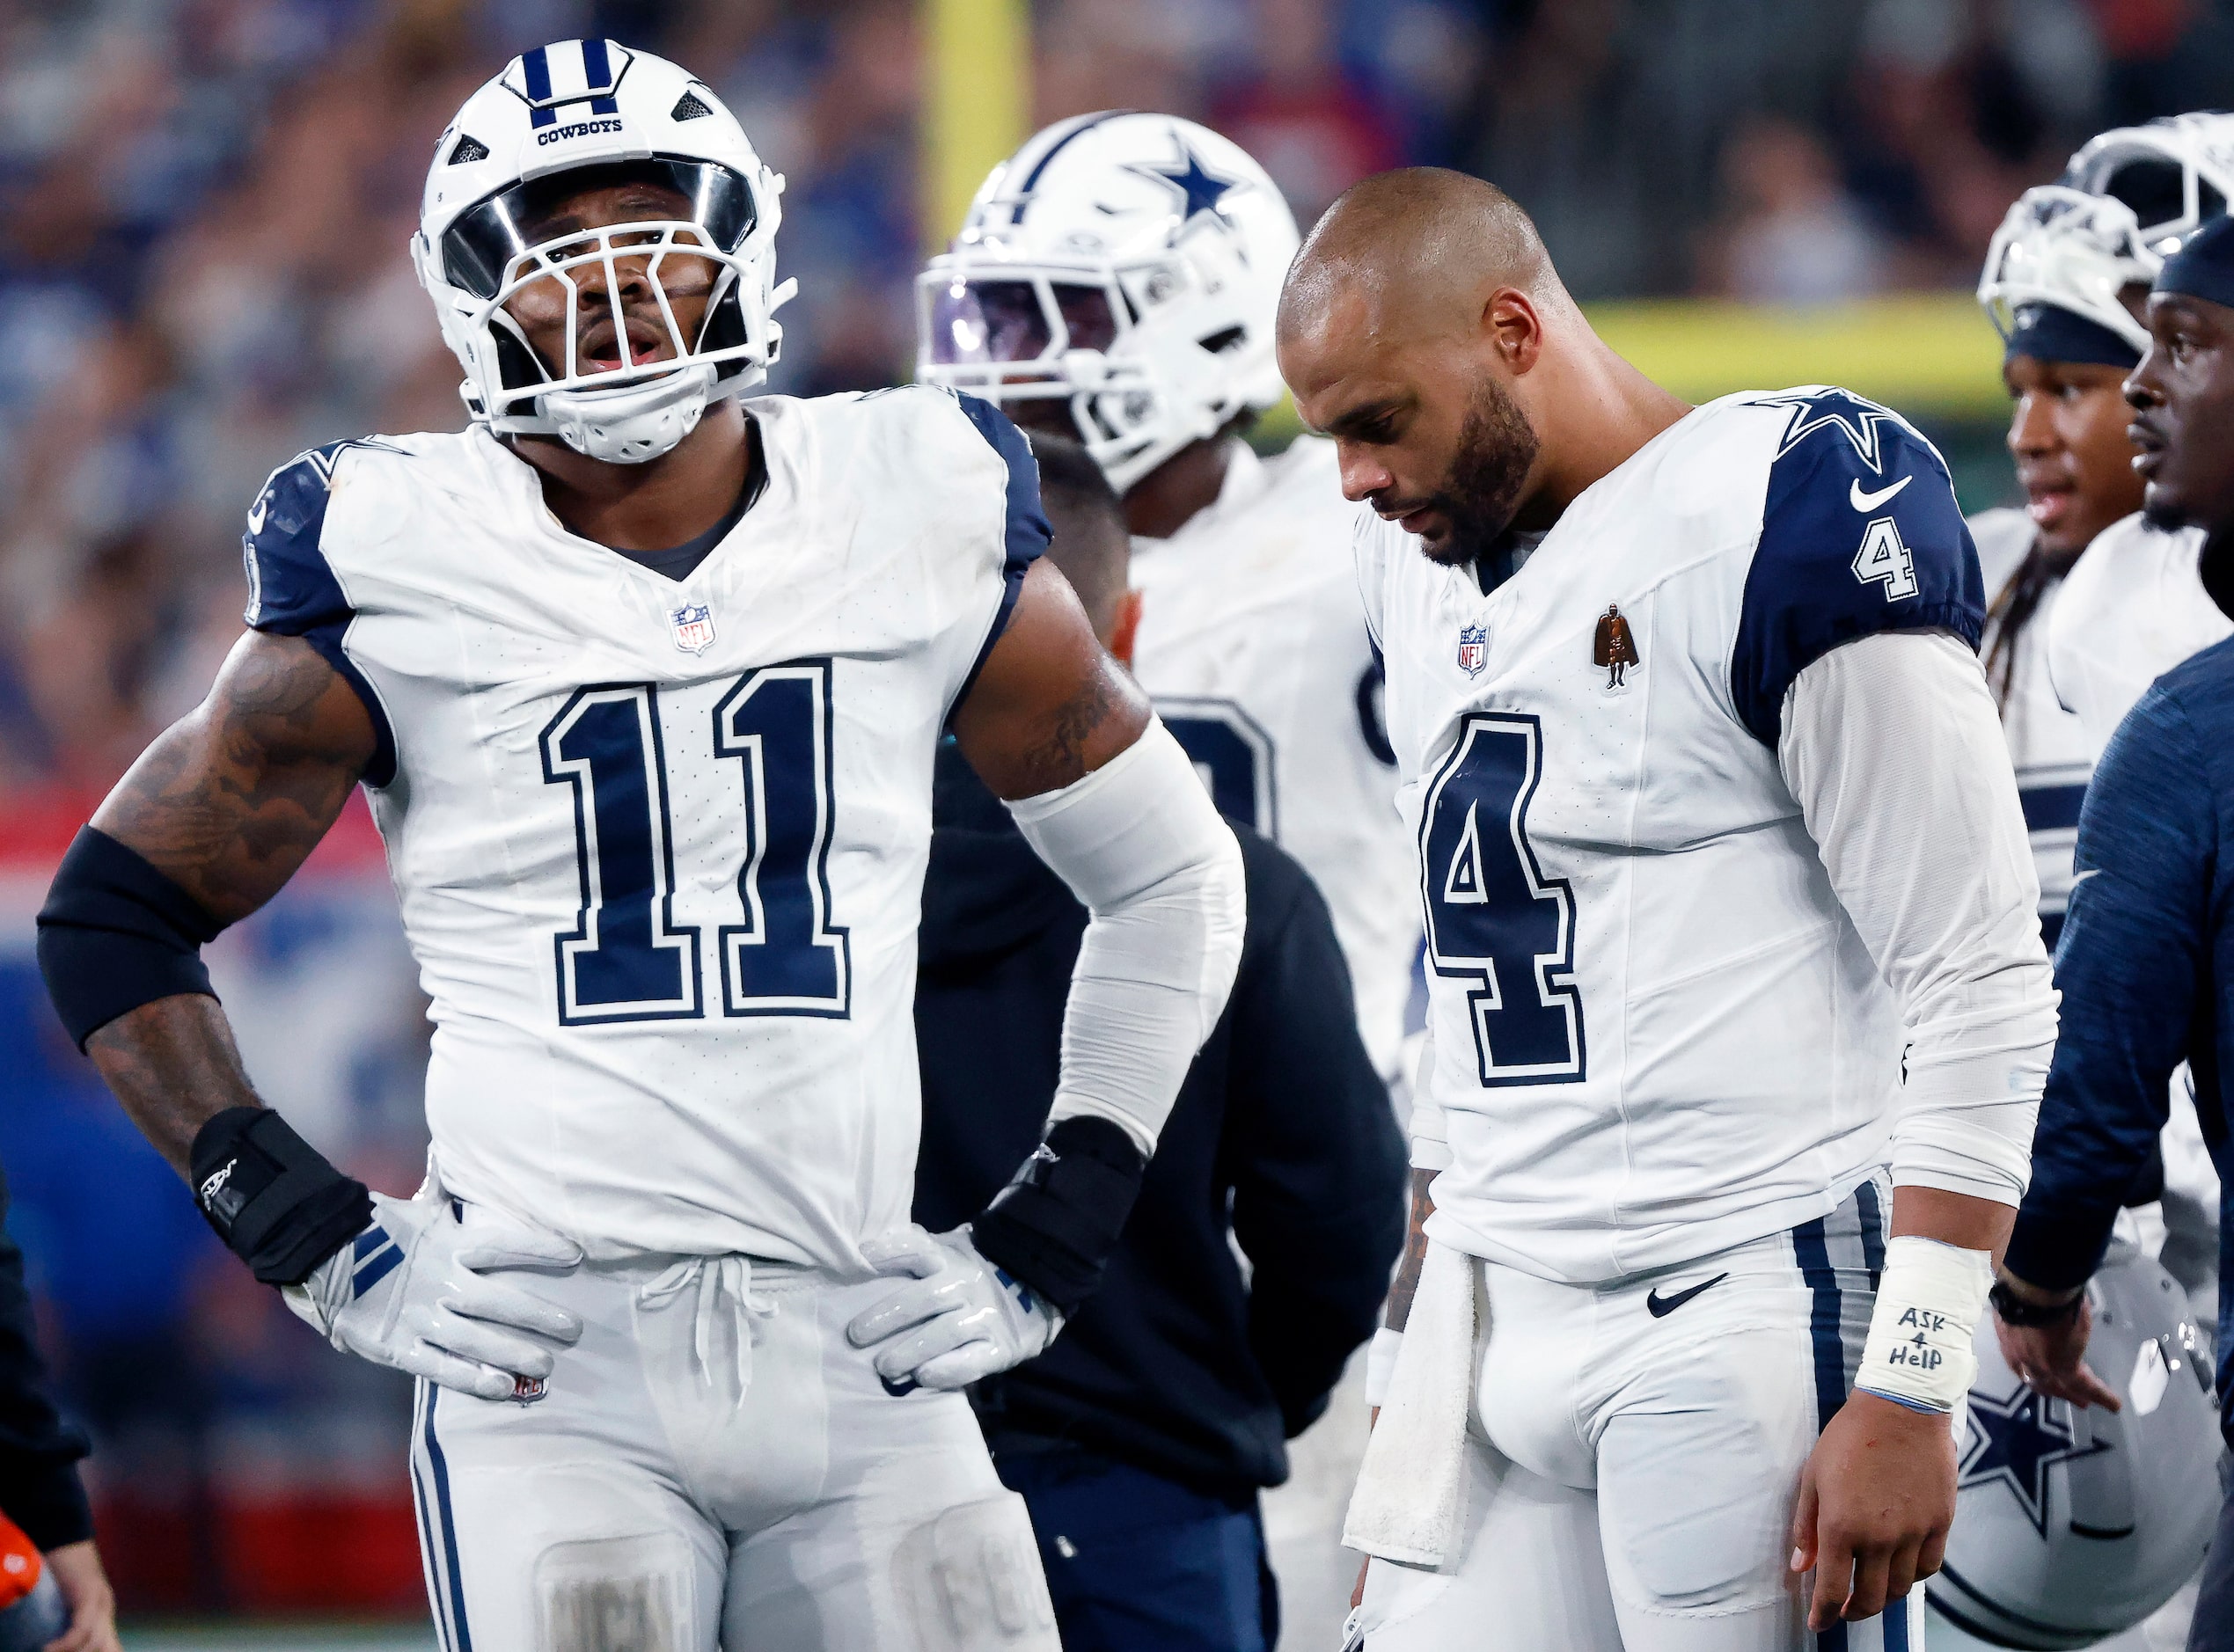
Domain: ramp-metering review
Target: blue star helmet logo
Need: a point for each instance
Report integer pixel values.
(2015, 1441)
(1200, 189)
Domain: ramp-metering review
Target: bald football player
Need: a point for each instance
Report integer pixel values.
(1738, 1007)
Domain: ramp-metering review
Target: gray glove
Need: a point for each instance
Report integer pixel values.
(410, 1291)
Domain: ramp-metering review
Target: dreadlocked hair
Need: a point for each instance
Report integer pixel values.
(2013, 610)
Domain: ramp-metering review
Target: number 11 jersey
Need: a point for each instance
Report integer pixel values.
(659, 845)
(1656, 1033)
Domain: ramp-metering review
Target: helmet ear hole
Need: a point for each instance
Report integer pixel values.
(516, 367)
(724, 325)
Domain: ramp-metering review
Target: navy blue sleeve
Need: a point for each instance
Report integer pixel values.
(291, 589)
(1318, 1164)
(1027, 533)
(1859, 533)
(2132, 967)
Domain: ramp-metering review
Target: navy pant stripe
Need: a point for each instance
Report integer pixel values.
(422, 1502)
(1811, 1248)
(1895, 1620)
(1823, 1319)
(1873, 1231)
(465, 1636)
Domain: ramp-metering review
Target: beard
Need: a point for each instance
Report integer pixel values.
(1497, 449)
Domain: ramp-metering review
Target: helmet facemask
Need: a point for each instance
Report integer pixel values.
(651, 395)
(1102, 339)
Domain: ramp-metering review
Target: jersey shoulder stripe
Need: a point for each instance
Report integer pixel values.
(1026, 534)
(292, 588)
(1860, 533)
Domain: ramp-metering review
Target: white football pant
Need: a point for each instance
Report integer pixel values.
(1630, 1474)
(713, 1465)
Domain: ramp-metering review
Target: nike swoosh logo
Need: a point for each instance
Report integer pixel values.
(1861, 500)
(2077, 878)
(1660, 1306)
(256, 514)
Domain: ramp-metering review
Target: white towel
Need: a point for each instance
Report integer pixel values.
(1408, 1505)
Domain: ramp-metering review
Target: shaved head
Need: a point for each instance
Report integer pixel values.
(1424, 329)
(1420, 248)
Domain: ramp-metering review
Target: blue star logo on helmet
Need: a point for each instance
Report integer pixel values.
(1200, 189)
(2015, 1441)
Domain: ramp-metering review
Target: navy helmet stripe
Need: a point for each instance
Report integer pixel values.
(597, 72)
(448, 1526)
(1031, 179)
(536, 65)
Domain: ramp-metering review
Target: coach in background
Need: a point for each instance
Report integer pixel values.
(1141, 1439)
(2146, 964)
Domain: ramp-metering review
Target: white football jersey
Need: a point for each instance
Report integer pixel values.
(2134, 607)
(2047, 744)
(660, 845)
(1657, 1033)
(1252, 647)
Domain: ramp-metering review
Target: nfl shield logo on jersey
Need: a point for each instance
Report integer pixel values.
(1473, 650)
(693, 626)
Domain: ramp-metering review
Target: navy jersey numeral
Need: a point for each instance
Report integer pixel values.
(626, 959)
(786, 958)
(1233, 754)
(1493, 919)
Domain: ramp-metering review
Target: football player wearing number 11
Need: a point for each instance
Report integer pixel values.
(646, 688)
(1739, 1008)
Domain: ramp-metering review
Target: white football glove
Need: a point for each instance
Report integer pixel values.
(958, 1320)
(409, 1291)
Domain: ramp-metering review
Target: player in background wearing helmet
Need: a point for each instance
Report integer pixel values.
(2064, 283)
(1115, 282)
(2135, 605)
(2148, 952)
(647, 688)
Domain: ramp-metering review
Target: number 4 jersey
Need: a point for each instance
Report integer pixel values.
(659, 845)
(1656, 1032)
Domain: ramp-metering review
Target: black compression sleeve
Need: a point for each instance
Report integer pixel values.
(115, 933)
(272, 1197)
(1053, 1227)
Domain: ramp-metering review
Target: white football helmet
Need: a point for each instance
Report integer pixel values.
(2072, 1522)
(561, 118)
(1128, 264)
(2177, 174)
(2078, 252)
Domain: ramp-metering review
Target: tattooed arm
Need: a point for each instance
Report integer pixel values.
(226, 804)
(1050, 706)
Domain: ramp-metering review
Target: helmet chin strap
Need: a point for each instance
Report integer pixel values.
(630, 424)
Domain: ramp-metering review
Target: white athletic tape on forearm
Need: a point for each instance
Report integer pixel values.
(1928, 1300)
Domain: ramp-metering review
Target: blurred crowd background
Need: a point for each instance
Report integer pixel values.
(204, 205)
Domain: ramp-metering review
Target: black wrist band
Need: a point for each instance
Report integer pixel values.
(1053, 1227)
(272, 1197)
(2015, 1310)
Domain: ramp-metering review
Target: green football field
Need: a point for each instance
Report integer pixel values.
(281, 1638)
